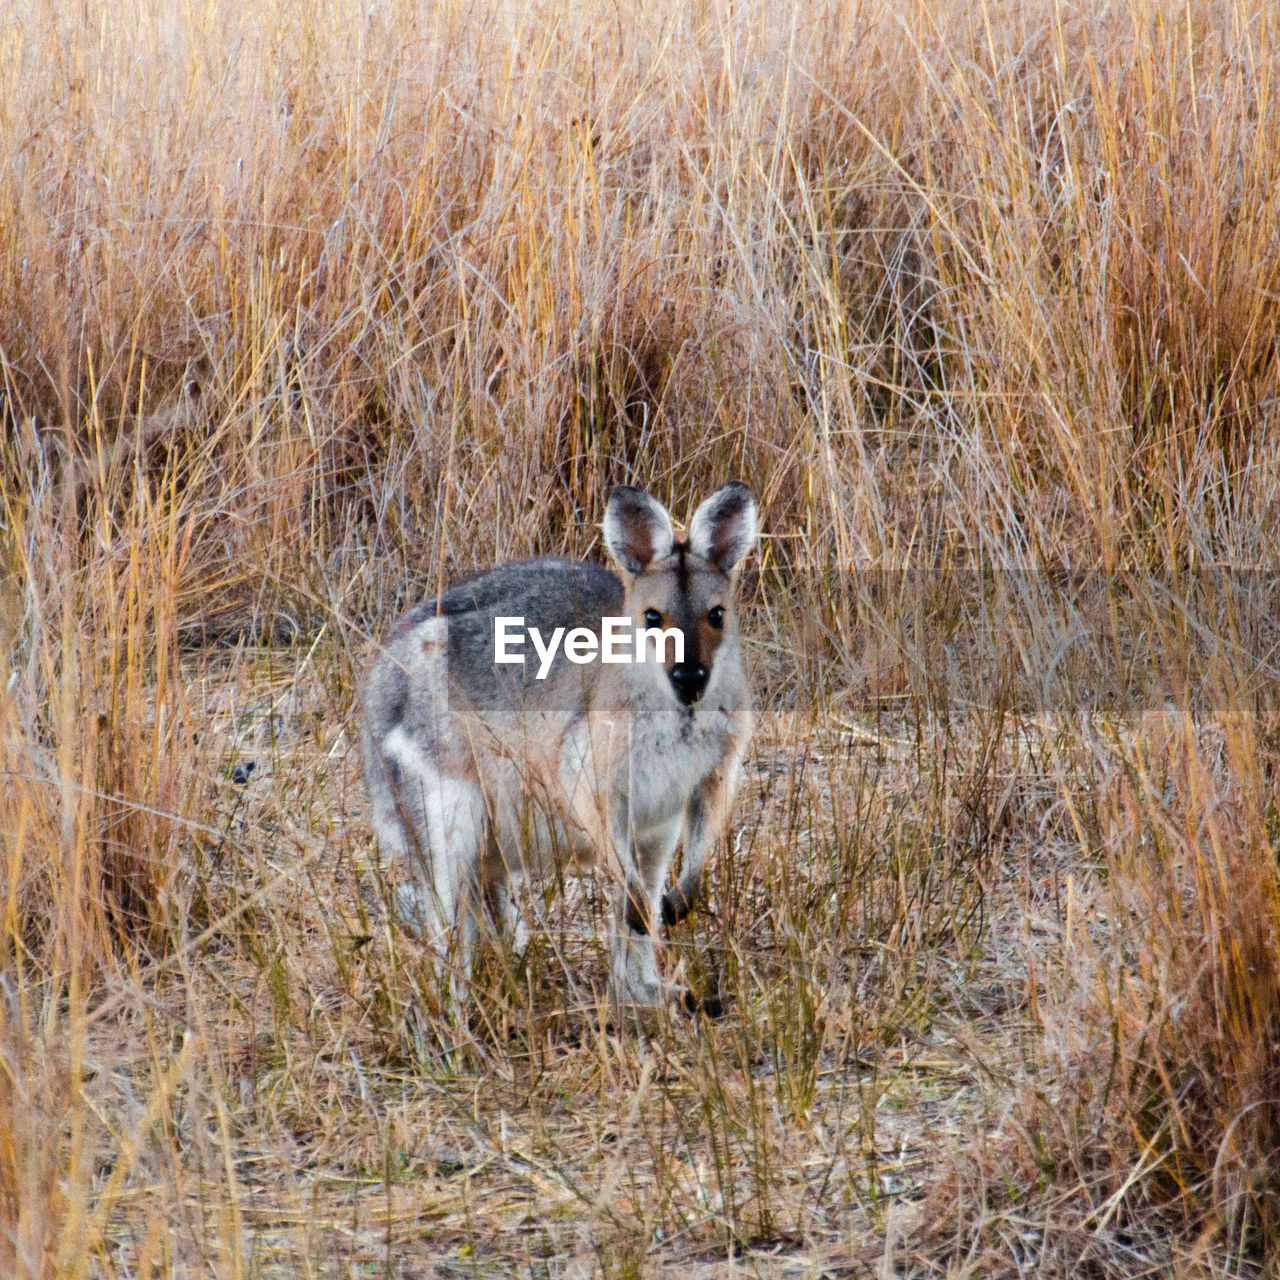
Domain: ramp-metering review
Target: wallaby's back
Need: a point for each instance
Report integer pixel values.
(546, 593)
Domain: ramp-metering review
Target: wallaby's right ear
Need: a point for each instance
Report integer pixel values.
(637, 529)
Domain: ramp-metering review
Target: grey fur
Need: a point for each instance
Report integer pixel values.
(478, 772)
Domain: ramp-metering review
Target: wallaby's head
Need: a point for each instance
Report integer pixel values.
(684, 584)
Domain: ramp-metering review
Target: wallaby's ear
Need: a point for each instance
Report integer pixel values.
(637, 529)
(724, 528)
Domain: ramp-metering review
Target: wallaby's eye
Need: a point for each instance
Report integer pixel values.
(715, 619)
(652, 618)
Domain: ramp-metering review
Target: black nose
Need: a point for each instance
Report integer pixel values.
(690, 681)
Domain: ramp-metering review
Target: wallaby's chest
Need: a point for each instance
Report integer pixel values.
(669, 754)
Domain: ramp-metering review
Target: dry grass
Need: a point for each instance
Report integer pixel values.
(309, 307)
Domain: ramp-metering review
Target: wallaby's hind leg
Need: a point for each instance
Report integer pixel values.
(438, 825)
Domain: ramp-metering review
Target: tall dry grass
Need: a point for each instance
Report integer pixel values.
(310, 307)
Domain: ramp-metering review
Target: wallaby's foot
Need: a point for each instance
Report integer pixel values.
(415, 911)
(655, 996)
(678, 1000)
(637, 994)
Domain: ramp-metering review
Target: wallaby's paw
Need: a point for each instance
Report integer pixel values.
(646, 995)
(708, 1006)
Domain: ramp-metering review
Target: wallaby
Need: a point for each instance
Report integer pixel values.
(485, 760)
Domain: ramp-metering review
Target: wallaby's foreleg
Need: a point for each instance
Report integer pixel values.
(705, 816)
(635, 949)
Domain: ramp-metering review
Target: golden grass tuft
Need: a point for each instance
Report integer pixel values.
(1167, 1044)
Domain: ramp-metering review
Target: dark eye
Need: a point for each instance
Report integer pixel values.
(652, 618)
(715, 619)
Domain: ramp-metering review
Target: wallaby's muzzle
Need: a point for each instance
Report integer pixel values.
(690, 682)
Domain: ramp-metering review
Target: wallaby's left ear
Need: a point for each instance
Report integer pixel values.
(637, 529)
(724, 528)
